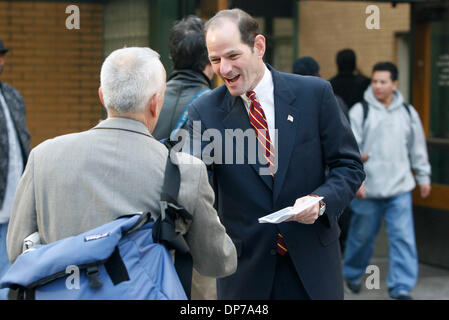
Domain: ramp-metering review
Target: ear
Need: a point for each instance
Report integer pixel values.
(395, 84)
(100, 94)
(259, 45)
(152, 105)
(209, 71)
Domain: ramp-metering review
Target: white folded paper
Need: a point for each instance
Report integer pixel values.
(284, 214)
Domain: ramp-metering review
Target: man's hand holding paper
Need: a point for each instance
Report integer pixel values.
(307, 216)
(305, 210)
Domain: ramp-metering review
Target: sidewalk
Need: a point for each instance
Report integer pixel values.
(433, 282)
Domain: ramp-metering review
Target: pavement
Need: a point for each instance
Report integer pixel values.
(433, 281)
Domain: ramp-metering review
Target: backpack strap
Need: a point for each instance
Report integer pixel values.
(366, 110)
(407, 107)
(164, 230)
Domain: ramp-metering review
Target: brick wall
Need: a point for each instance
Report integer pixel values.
(55, 69)
(325, 27)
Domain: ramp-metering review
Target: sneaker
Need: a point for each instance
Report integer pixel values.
(401, 295)
(353, 287)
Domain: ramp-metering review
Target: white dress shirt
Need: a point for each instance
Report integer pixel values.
(265, 95)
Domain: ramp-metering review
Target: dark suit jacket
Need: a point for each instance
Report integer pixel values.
(319, 136)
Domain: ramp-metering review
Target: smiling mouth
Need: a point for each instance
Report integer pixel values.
(232, 80)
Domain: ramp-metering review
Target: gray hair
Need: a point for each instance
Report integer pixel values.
(130, 77)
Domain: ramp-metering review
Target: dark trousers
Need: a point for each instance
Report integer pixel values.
(287, 285)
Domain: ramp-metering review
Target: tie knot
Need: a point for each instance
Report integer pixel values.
(251, 95)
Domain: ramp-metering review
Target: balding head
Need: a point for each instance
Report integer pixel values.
(247, 25)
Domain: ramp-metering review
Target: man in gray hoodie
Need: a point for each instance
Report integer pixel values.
(392, 141)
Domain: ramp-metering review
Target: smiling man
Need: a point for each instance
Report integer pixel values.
(238, 62)
(390, 133)
(300, 128)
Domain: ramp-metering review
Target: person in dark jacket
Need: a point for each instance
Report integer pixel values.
(14, 150)
(192, 74)
(191, 77)
(349, 83)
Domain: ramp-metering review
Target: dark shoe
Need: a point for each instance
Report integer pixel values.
(353, 287)
(401, 295)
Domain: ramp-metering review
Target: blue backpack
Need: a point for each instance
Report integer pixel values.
(127, 258)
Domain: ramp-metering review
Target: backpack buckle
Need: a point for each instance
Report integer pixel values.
(93, 273)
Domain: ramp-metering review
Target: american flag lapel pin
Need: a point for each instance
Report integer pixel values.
(290, 118)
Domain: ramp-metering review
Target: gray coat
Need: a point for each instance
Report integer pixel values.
(79, 181)
(16, 107)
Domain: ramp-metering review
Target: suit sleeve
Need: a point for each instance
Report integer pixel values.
(23, 221)
(195, 145)
(213, 251)
(194, 128)
(341, 156)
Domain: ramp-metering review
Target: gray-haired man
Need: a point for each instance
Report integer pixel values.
(79, 181)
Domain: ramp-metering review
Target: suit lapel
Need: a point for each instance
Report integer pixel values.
(237, 118)
(287, 117)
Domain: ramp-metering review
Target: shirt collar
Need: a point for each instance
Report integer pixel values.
(264, 87)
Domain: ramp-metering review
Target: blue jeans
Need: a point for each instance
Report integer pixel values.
(364, 227)
(4, 261)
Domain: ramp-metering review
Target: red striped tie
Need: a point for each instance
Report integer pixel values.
(258, 120)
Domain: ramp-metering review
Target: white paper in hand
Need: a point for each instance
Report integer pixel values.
(284, 214)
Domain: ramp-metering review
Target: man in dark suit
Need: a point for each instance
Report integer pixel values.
(300, 130)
